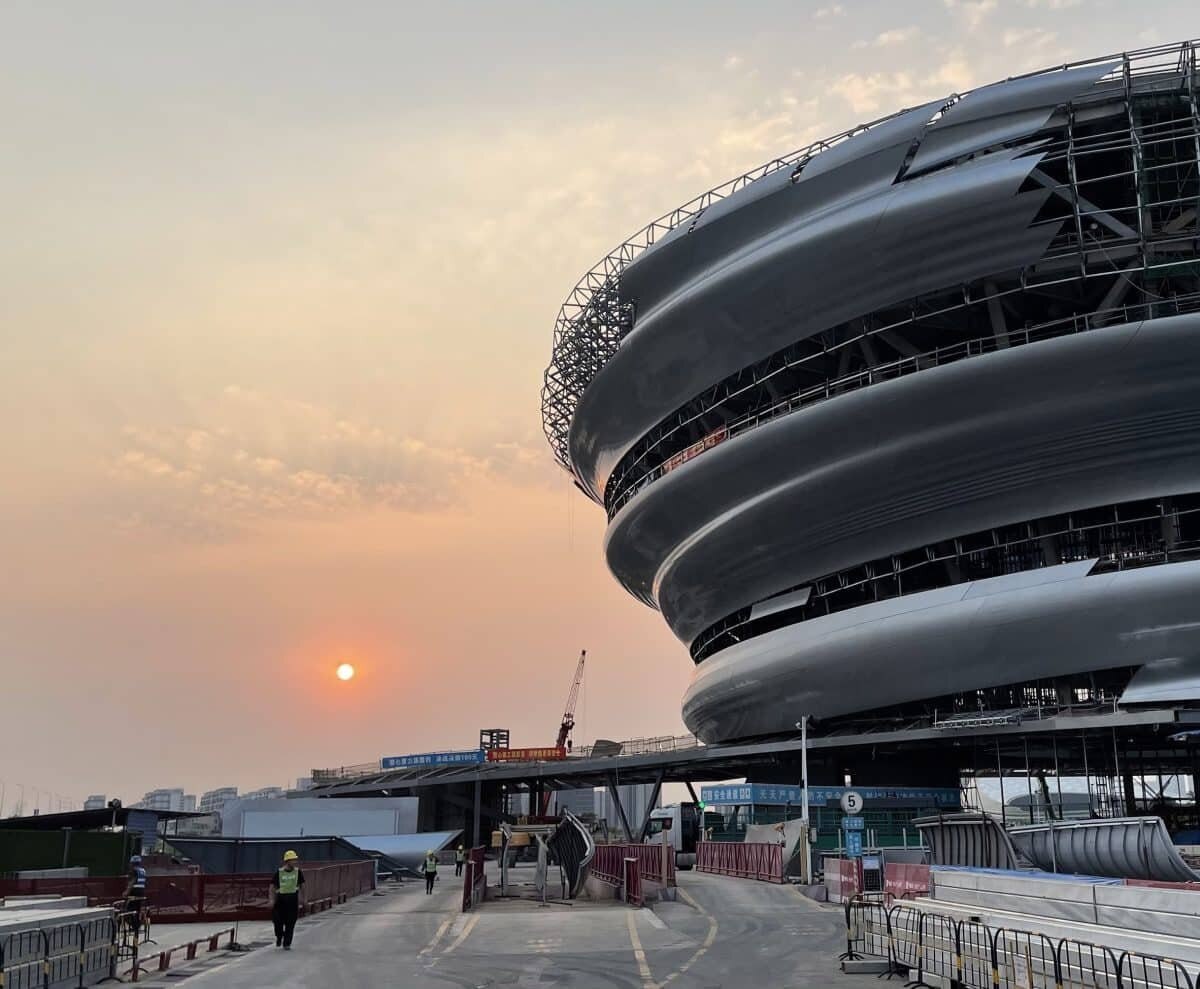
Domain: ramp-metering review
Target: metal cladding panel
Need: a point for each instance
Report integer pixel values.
(1015, 95)
(1128, 848)
(1015, 434)
(849, 255)
(574, 849)
(847, 661)
(973, 840)
(865, 164)
(1001, 113)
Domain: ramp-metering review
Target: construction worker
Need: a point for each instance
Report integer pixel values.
(135, 894)
(429, 867)
(287, 892)
(460, 856)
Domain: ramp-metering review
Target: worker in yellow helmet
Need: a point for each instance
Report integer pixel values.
(460, 857)
(429, 867)
(287, 893)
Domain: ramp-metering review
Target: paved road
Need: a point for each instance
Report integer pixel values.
(720, 933)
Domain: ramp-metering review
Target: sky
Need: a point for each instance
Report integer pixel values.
(277, 288)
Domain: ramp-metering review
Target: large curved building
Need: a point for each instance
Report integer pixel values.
(910, 418)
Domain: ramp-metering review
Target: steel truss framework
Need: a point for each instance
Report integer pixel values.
(1126, 199)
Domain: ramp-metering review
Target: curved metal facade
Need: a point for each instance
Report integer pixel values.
(922, 398)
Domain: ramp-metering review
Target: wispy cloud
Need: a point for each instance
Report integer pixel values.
(890, 38)
(974, 12)
(254, 456)
(833, 10)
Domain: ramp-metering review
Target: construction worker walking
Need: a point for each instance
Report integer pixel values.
(135, 895)
(460, 857)
(429, 867)
(287, 891)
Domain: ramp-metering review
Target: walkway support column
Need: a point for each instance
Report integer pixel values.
(616, 796)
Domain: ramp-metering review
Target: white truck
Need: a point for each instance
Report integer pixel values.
(681, 825)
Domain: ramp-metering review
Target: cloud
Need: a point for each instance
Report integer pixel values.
(975, 12)
(733, 62)
(1028, 38)
(890, 38)
(1053, 4)
(834, 10)
(258, 456)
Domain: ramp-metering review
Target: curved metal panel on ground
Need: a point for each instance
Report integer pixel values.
(1103, 416)
(573, 848)
(1123, 848)
(963, 637)
(975, 841)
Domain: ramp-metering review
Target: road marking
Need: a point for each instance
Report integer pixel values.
(441, 933)
(708, 941)
(638, 953)
(466, 932)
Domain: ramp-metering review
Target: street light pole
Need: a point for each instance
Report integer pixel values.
(807, 861)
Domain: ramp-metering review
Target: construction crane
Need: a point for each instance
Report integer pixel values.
(568, 718)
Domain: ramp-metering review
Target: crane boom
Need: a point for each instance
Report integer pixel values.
(568, 718)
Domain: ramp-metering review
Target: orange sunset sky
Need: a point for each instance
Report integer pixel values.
(277, 286)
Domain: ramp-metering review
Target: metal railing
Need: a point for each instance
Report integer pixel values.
(745, 860)
(79, 954)
(973, 955)
(656, 460)
(646, 746)
(606, 863)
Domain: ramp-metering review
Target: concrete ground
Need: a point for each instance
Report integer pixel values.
(720, 932)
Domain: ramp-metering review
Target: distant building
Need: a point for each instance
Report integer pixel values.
(199, 827)
(212, 801)
(304, 783)
(172, 798)
(265, 793)
(318, 817)
(97, 801)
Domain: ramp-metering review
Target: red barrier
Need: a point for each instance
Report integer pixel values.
(843, 879)
(184, 898)
(474, 878)
(633, 882)
(746, 860)
(904, 881)
(607, 863)
(1156, 884)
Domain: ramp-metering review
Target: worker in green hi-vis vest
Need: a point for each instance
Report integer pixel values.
(429, 868)
(287, 889)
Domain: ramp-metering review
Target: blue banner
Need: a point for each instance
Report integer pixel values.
(432, 759)
(851, 823)
(820, 796)
(853, 844)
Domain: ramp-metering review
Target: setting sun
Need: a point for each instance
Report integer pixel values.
(345, 672)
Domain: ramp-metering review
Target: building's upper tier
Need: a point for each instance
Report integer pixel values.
(835, 246)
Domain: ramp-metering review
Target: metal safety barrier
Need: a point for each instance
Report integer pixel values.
(632, 882)
(650, 858)
(76, 954)
(474, 879)
(608, 863)
(971, 955)
(746, 860)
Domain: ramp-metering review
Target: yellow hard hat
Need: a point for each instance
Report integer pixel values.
(290, 856)
(430, 852)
